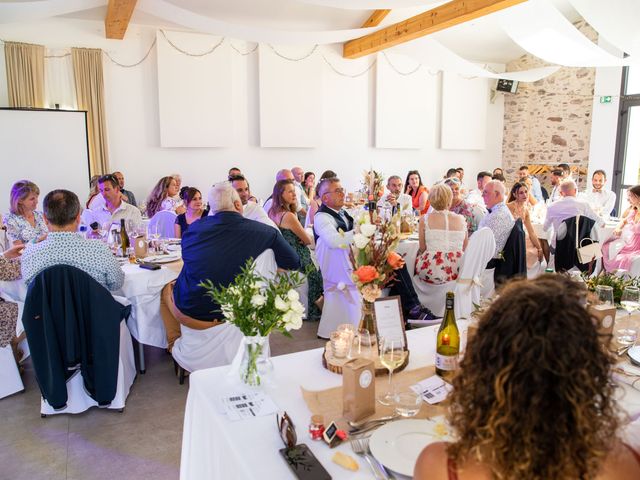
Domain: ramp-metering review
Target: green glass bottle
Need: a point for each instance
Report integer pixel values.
(448, 342)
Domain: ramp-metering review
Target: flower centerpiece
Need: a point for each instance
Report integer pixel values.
(374, 259)
(617, 282)
(257, 306)
(373, 187)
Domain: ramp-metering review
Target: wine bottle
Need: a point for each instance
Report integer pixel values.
(124, 238)
(447, 342)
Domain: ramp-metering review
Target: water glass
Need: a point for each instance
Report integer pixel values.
(630, 299)
(605, 295)
(408, 403)
(626, 336)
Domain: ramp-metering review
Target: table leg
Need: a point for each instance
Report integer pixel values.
(143, 369)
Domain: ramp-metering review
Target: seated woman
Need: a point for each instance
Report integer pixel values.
(419, 193)
(164, 196)
(520, 409)
(95, 199)
(629, 232)
(24, 223)
(460, 206)
(283, 213)
(192, 198)
(443, 237)
(9, 271)
(519, 205)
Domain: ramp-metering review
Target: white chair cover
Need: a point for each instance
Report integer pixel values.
(10, 381)
(433, 296)
(79, 400)
(342, 300)
(481, 247)
(165, 221)
(216, 346)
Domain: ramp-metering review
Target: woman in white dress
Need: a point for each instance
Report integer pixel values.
(443, 238)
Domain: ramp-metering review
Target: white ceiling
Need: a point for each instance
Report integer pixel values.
(480, 40)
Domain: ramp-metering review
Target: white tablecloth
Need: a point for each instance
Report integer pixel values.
(214, 447)
(409, 250)
(141, 287)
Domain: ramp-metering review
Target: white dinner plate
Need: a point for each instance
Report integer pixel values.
(172, 257)
(634, 355)
(398, 444)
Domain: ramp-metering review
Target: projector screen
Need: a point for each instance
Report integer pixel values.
(48, 147)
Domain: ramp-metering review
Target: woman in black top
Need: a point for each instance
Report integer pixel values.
(192, 198)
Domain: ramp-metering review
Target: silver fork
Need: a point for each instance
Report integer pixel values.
(360, 446)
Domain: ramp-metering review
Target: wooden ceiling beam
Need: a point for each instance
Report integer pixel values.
(375, 18)
(431, 21)
(118, 16)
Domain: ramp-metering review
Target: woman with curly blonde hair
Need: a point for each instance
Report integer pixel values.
(534, 397)
(163, 197)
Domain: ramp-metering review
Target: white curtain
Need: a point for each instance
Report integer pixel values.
(59, 84)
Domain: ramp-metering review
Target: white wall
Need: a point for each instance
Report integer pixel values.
(348, 119)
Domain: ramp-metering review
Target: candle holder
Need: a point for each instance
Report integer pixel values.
(340, 344)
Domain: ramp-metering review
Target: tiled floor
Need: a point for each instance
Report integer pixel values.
(142, 442)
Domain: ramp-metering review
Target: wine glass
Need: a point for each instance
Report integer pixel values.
(630, 299)
(154, 233)
(392, 355)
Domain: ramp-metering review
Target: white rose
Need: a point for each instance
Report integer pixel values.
(281, 304)
(367, 229)
(292, 321)
(258, 300)
(293, 295)
(360, 240)
(297, 307)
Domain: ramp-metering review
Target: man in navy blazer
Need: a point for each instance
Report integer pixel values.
(216, 247)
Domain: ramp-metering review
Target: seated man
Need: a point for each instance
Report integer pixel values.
(499, 219)
(475, 196)
(250, 210)
(216, 248)
(568, 206)
(602, 201)
(333, 229)
(536, 188)
(395, 197)
(127, 195)
(63, 245)
(115, 208)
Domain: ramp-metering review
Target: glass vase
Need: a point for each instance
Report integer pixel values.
(368, 321)
(255, 365)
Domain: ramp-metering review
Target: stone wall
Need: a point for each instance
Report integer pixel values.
(549, 121)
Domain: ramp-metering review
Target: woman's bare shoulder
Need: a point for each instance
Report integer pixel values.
(620, 464)
(432, 463)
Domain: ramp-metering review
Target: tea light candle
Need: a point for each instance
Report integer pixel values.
(340, 343)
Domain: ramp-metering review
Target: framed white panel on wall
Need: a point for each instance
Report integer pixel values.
(464, 112)
(290, 97)
(194, 92)
(403, 106)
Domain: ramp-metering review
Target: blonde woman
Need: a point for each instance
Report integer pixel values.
(24, 223)
(162, 197)
(443, 238)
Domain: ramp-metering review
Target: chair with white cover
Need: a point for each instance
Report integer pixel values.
(480, 249)
(342, 300)
(10, 381)
(164, 221)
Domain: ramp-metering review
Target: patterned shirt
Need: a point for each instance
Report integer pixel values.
(18, 228)
(471, 215)
(501, 222)
(69, 248)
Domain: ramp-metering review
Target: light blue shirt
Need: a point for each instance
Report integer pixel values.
(70, 248)
(536, 189)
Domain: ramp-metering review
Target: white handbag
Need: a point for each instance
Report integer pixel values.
(586, 253)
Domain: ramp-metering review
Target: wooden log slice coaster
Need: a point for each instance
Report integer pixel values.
(335, 364)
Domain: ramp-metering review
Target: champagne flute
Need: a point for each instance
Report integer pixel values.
(630, 299)
(392, 355)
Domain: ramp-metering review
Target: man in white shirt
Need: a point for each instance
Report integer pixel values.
(114, 208)
(475, 195)
(568, 206)
(556, 178)
(499, 219)
(601, 200)
(395, 197)
(250, 210)
(536, 189)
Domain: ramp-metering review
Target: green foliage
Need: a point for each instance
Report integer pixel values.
(617, 282)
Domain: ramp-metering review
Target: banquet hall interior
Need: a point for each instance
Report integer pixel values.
(250, 98)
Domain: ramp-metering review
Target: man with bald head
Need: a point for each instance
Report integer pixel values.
(499, 219)
(568, 206)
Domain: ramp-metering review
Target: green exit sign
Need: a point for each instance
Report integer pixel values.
(605, 99)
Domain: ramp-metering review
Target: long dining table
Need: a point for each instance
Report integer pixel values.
(213, 446)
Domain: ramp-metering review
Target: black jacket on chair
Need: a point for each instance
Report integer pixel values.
(514, 263)
(73, 322)
(566, 254)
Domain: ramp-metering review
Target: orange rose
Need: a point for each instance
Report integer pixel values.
(366, 274)
(395, 261)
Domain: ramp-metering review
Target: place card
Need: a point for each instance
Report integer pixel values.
(389, 320)
(239, 406)
(433, 389)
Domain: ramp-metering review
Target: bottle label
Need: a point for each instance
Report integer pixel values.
(446, 362)
(449, 303)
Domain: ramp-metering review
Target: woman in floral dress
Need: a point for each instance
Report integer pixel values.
(459, 205)
(443, 238)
